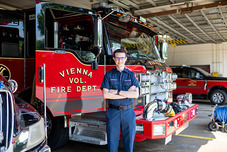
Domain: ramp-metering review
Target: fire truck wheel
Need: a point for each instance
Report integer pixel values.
(58, 135)
(218, 96)
(213, 126)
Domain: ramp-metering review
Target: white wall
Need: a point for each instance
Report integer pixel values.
(211, 54)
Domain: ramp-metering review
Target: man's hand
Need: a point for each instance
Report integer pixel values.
(111, 94)
(132, 88)
(113, 91)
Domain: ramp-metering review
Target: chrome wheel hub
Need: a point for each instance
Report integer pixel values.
(218, 97)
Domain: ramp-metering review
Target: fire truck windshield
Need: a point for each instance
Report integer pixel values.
(138, 40)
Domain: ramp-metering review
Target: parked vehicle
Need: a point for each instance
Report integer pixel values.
(201, 84)
(68, 50)
(22, 127)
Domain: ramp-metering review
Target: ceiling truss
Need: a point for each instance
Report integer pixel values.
(195, 21)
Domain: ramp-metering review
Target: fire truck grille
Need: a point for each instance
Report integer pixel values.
(5, 121)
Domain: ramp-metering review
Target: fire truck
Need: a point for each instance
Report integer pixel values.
(59, 55)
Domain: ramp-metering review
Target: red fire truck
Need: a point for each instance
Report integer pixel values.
(59, 55)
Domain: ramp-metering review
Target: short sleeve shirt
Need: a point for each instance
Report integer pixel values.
(117, 80)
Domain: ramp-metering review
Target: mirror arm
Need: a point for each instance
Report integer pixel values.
(94, 65)
(108, 14)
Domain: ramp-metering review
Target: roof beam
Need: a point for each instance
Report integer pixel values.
(167, 32)
(6, 6)
(190, 19)
(186, 29)
(167, 26)
(180, 10)
(131, 3)
(120, 4)
(172, 1)
(204, 15)
(151, 2)
(223, 17)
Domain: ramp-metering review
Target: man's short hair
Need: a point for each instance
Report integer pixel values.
(119, 51)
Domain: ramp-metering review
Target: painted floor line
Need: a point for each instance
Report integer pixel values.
(205, 109)
(199, 137)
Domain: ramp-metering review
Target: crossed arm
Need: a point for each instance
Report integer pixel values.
(133, 92)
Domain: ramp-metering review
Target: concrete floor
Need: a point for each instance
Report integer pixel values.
(196, 138)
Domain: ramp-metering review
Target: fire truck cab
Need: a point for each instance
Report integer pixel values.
(62, 54)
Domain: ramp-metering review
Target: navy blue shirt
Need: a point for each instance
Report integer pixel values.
(117, 80)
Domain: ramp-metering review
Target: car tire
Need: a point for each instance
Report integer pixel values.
(213, 126)
(218, 97)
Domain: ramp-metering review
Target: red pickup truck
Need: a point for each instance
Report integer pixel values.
(201, 84)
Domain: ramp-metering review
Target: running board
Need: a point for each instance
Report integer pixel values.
(88, 130)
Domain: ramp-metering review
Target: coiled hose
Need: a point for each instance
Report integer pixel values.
(220, 114)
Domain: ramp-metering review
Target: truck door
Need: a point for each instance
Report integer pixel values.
(65, 44)
(196, 82)
(190, 82)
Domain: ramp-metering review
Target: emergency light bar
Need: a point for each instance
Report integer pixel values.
(100, 7)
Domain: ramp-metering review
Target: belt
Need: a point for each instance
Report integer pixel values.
(120, 108)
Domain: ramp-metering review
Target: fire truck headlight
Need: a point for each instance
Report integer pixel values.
(139, 129)
(36, 134)
(159, 129)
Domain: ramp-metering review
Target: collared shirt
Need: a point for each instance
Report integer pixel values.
(117, 80)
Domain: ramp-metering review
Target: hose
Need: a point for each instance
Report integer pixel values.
(157, 106)
(220, 114)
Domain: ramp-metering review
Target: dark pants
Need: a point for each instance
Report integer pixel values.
(124, 120)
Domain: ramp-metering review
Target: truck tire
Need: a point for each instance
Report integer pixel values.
(218, 97)
(58, 135)
(213, 126)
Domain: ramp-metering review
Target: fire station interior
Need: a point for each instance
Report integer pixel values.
(195, 30)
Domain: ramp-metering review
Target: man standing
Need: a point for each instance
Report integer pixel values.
(119, 88)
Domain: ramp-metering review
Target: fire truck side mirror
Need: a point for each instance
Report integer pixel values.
(98, 33)
(98, 40)
(163, 50)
